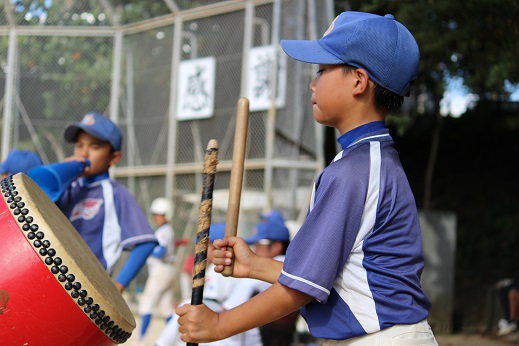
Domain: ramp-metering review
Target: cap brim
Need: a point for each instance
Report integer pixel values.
(309, 51)
(251, 240)
(71, 132)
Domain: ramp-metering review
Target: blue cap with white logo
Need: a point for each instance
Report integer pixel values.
(379, 44)
(98, 126)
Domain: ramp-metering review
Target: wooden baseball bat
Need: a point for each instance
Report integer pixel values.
(204, 223)
(235, 185)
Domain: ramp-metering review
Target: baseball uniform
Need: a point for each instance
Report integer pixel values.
(106, 216)
(161, 275)
(359, 251)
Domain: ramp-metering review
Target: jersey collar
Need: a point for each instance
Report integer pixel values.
(349, 137)
(85, 181)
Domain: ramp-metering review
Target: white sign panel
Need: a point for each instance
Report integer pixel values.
(260, 78)
(195, 92)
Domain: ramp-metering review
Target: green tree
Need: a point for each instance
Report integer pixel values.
(475, 40)
(63, 77)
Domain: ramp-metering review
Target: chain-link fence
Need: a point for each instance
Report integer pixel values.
(59, 64)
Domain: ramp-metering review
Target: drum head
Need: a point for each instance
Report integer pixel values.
(61, 255)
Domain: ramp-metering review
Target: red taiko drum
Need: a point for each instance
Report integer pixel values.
(53, 290)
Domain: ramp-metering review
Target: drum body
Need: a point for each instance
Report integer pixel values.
(53, 290)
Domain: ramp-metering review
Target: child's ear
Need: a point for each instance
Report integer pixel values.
(116, 157)
(361, 81)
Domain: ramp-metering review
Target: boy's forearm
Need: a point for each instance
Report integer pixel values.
(266, 269)
(270, 305)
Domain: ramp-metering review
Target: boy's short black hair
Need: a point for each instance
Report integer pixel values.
(387, 101)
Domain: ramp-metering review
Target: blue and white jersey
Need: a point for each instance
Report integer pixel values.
(359, 251)
(106, 216)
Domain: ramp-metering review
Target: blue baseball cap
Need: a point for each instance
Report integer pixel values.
(20, 161)
(269, 231)
(216, 231)
(98, 126)
(273, 216)
(379, 44)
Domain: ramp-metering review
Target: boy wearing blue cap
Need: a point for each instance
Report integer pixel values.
(102, 210)
(19, 161)
(354, 266)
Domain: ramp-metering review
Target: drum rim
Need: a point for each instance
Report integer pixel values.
(67, 271)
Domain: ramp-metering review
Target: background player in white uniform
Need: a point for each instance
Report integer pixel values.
(158, 291)
(217, 290)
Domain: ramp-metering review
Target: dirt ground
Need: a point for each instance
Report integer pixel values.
(476, 340)
(157, 324)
